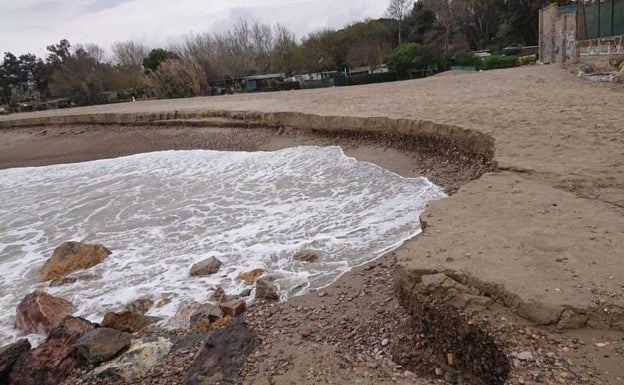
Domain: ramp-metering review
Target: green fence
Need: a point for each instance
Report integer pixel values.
(600, 19)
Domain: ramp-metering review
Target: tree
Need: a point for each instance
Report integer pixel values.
(411, 56)
(398, 10)
(175, 79)
(157, 56)
(129, 53)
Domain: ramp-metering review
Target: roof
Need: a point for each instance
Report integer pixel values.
(266, 76)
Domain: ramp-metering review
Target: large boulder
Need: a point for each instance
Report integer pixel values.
(8, 355)
(72, 256)
(102, 344)
(206, 267)
(128, 321)
(54, 360)
(223, 354)
(38, 312)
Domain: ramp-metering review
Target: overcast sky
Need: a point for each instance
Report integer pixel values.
(31, 25)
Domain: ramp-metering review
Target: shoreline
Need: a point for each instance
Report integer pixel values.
(537, 239)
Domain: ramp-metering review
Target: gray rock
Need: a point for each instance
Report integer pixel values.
(223, 354)
(266, 290)
(306, 256)
(525, 356)
(142, 356)
(102, 344)
(205, 315)
(206, 267)
(9, 354)
(128, 321)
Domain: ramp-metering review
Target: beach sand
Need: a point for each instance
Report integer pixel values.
(541, 235)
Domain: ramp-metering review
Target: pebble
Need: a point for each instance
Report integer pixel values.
(525, 356)
(385, 342)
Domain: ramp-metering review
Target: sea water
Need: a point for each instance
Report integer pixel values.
(161, 212)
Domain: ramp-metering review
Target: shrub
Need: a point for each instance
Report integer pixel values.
(465, 57)
(286, 86)
(496, 62)
(175, 79)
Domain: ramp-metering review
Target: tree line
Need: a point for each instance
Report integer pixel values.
(410, 35)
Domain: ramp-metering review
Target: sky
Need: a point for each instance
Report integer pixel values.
(31, 25)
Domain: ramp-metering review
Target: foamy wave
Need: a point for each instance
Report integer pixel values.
(161, 212)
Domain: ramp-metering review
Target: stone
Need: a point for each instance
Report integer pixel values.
(223, 354)
(217, 295)
(249, 277)
(182, 316)
(102, 344)
(306, 256)
(71, 256)
(127, 321)
(233, 307)
(73, 278)
(206, 267)
(54, 360)
(9, 354)
(137, 361)
(266, 290)
(245, 293)
(525, 356)
(205, 315)
(619, 77)
(450, 377)
(141, 305)
(38, 312)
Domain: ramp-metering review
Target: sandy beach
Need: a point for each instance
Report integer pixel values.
(532, 230)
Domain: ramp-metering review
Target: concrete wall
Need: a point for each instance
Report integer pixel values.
(557, 36)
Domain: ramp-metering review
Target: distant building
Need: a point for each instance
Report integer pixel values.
(260, 82)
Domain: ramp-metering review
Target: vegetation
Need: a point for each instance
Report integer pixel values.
(415, 39)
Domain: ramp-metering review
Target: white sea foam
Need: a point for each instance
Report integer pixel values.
(161, 212)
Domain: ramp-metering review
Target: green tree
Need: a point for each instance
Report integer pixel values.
(157, 56)
(411, 58)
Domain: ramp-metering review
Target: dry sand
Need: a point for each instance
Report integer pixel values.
(543, 235)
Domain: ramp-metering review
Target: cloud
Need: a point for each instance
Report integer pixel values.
(101, 5)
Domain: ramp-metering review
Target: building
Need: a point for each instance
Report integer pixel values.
(261, 82)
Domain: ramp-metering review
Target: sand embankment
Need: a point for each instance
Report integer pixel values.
(542, 235)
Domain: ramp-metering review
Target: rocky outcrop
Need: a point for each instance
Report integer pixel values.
(102, 344)
(128, 321)
(55, 359)
(72, 256)
(223, 354)
(265, 289)
(38, 312)
(8, 355)
(205, 267)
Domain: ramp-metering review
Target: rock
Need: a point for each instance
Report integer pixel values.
(306, 256)
(233, 307)
(205, 315)
(249, 277)
(206, 267)
(217, 295)
(619, 77)
(135, 363)
(525, 356)
(38, 312)
(222, 355)
(450, 377)
(385, 342)
(245, 293)
(128, 321)
(72, 256)
(182, 316)
(9, 354)
(141, 305)
(72, 279)
(266, 290)
(55, 359)
(102, 344)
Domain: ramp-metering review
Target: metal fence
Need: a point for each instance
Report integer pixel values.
(601, 18)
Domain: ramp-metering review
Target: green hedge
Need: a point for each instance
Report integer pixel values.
(496, 62)
(286, 86)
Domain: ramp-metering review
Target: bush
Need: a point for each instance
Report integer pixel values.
(497, 62)
(286, 86)
(175, 79)
(465, 57)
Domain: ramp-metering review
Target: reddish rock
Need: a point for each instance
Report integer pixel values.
(206, 267)
(128, 321)
(233, 307)
(72, 256)
(205, 315)
(39, 312)
(55, 359)
(102, 344)
(249, 277)
(140, 305)
(8, 355)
